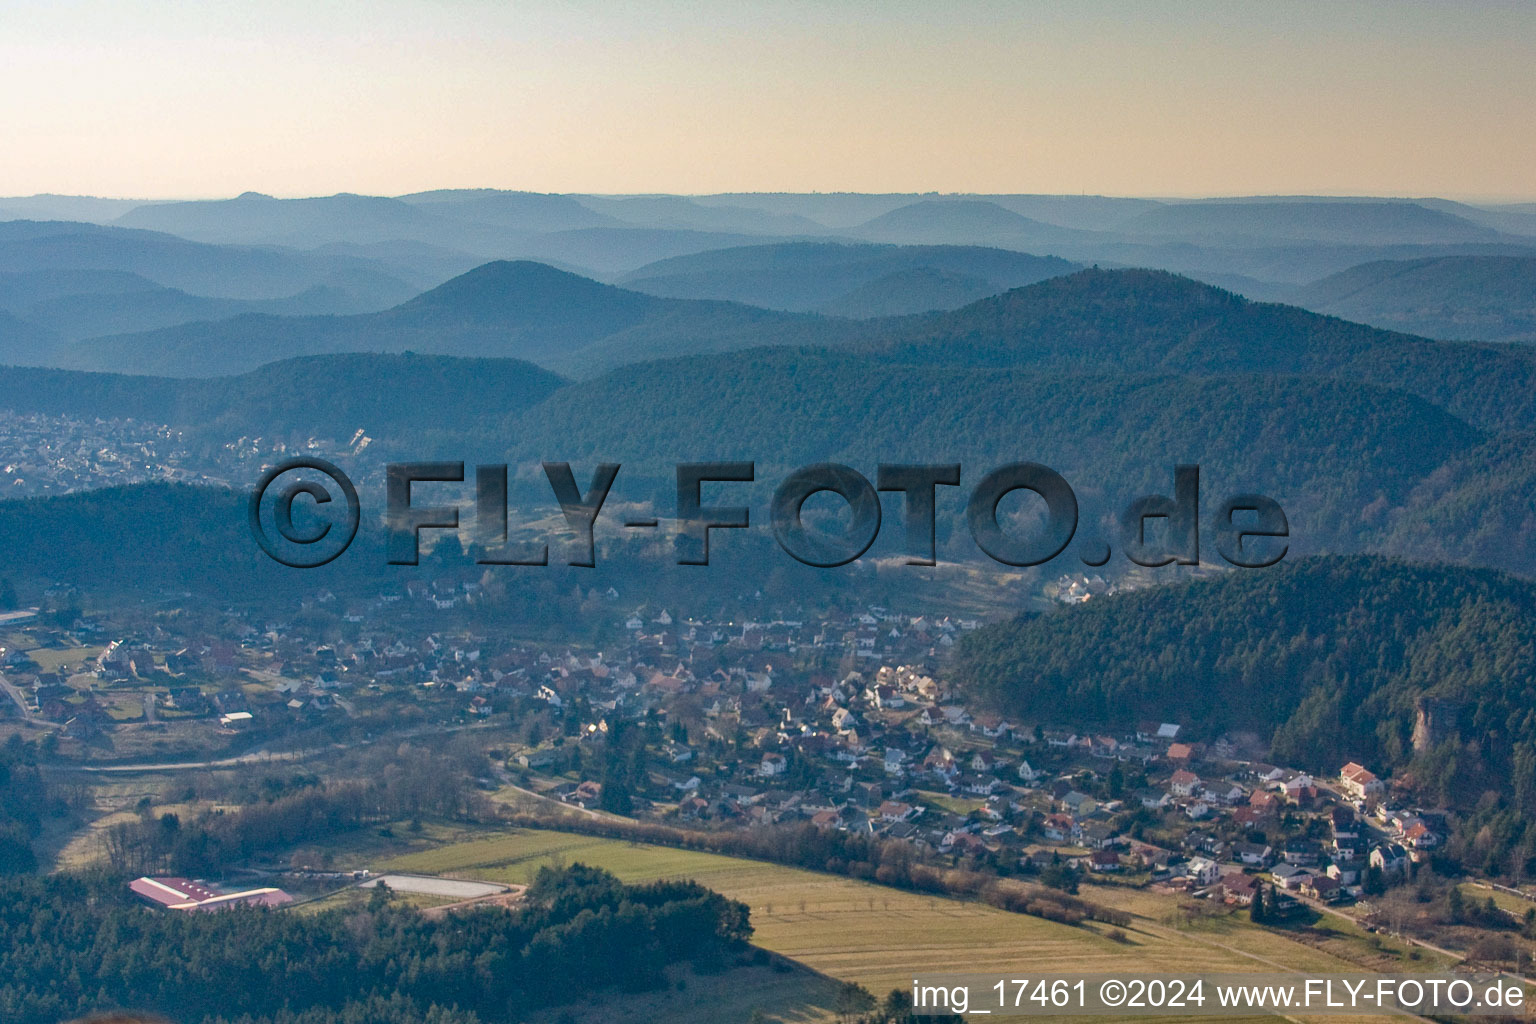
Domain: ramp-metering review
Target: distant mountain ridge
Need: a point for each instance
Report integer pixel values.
(1481, 298)
(518, 310)
(959, 222)
(392, 397)
(1151, 321)
(1328, 221)
(815, 276)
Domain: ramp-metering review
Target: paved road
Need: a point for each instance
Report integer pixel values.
(16, 695)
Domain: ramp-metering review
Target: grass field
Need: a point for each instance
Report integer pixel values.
(1516, 905)
(353, 897)
(49, 659)
(953, 804)
(879, 936)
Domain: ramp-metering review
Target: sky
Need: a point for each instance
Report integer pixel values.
(174, 98)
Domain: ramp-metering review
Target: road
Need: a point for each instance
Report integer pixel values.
(16, 695)
(584, 811)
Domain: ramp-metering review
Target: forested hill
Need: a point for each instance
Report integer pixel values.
(1328, 656)
(1154, 321)
(517, 309)
(1485, 297)
(1329, 451)
(71, 946)
(329, 396)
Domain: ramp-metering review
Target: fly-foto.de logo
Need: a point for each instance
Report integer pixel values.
(1249, 530)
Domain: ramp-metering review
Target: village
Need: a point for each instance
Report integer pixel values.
(845, 722)
(54, 455)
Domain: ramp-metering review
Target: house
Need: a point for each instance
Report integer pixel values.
(1301, 789)
(1345, 872)
(1389, 858)
(1290, 877)
(1197, 809)
(1320, 887)
(940, 761)
(1095, 835)
(985, 761)
(1239, 888)
(1225, 792)
(1180, 753)
(1080, 804)
(773, 764)
(1303, 852)
(1253, 854)
(1183, 783)
(1202, 870)
(992, 726)
(1360, 783)
(979, 785)
(894, 810)
(1104, 860)
(1420, 836)
(1152, 799)
(1057, 827)
(585, 794)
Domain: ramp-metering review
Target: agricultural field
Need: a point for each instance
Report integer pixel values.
(878, 936)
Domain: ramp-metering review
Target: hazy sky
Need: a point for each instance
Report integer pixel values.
(150, 98)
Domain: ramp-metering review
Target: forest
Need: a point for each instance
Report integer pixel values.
(1326, 658)
(71, 945)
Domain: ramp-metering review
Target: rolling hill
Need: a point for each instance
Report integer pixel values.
(1360, 222)
(959, 222)
(916, 290)
(392, 397)
(25, 344)
(1475, 509)
(256, 219)
(1369, 439)
(1328, 656)
(811, 276)
(90, 314)
(1482, 298)
(687, 213)
(1326, 450)
(516, 310)
(619, 250)
(89, 209)
(527, 212)
(210, 270)
(1154, 322)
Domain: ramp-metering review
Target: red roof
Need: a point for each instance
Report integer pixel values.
(170, 892)
(181, 894)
